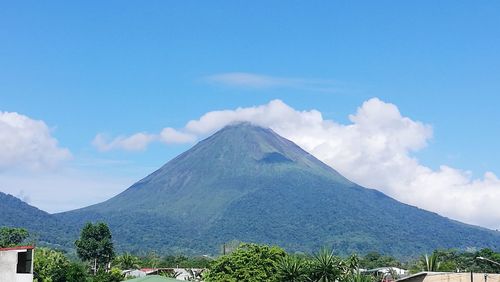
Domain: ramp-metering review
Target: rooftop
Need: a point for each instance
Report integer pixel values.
(17, 248)
(153, 278)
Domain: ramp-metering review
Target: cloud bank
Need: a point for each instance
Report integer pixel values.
(374, 149)
(28, 143)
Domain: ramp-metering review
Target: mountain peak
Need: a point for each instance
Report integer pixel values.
(245, 129)
(242, 125)
(222, 167)
(248, 183)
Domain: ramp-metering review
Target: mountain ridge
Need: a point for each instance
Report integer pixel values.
(247, 183)
(44, 227)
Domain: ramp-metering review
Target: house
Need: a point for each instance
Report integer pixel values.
(387, 273)
(451, 277)
(16, 264)
(180, 273)
(387, 270)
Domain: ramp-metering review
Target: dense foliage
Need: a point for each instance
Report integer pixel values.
(50, 265)
(455, 261)
(43, 227)
(12, 236)
(253, 262)
(373, 260)
(293, 268)
(250, 262)
(95, 245)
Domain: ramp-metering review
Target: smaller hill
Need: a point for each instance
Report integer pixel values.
(42, 225)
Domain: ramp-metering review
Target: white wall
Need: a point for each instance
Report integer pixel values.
(8, 268)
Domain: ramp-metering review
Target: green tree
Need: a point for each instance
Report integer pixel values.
(248, 263)
(10, 236)
(113, 275)
(95, 245)
(152, 260)
(50, 265)
(375, 260)
(76, 272)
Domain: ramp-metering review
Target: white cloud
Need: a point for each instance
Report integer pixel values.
(374, 150)
(260, 81)
(28, 143)
(169, 135)
(30, 167)
(140, 141)
(135, 142)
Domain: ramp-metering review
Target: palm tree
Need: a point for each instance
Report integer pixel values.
(431, 262)
(326, 267)
(170, 273)
(127, 261)
(353, 263)
(292, 269)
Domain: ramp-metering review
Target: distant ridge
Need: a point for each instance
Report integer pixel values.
(41, 225)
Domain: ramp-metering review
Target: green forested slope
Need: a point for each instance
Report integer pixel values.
(247, 183)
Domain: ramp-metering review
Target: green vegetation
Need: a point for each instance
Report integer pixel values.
(453, 260)
(127, 261)
(326, 267)
(293, 268)
(12, 236)
(373, 260)
(431, 262)
(43, 227)
(250, 262)
(254, 262)
(50, 265)
(95, 245)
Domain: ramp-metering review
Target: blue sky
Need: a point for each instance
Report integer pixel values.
(119, 68)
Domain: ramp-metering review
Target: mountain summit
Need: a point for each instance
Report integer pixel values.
(248, 183)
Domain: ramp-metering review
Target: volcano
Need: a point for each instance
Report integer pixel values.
(249, 184)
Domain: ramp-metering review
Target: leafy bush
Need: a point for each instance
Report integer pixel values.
(248, 263)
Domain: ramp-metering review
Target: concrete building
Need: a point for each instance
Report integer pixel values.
(181, 273)
(16, 264)
(387, 273)
(451, 277)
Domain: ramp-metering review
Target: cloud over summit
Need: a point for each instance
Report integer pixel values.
(374, 150)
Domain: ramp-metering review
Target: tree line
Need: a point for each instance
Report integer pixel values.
(96, 261)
